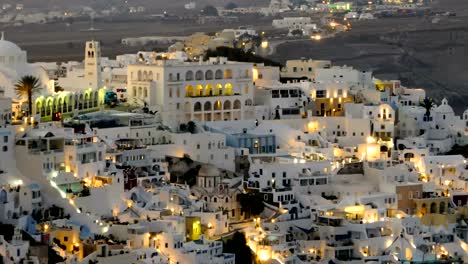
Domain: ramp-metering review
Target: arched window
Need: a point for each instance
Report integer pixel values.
(442, 207)
(228, 74)
(218, 105)
(423, 209)
(207, 106)
(237, 104)
(189, 76)
(170, 92)
(145, 92)
(209, 75)
(189, 91)
(433, 208)
(227, 105)
(95, 98)
(59, 104)
(139, 76)
(86, 102)
(228, 89)
(219, 89)
(70, 103)
(209, 90)
(38, 107)
(49, 107)
(197, 107)
(199, 75)
(219, 74)
(178, 92)
(246, 89)
(199, 90)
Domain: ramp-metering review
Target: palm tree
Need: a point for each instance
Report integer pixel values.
(427, 103)
(26, 87)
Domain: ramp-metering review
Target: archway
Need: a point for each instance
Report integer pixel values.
(49, 106)
(228, 89)
(199, 90)
(188, 91)
(218, 105)
(65, 104)
(237, 104)
(207, 109)
(219, 89)
(199, 75)
(442, 207)
(228, 74)
(207, 106)
(70, 103)
(197, 107)
(59, 105)
(95, 98)
(227, 105)
(218, 75)
(433, 208)
(86, 100)
(38, 107)
(423, 209)
(209, 75)
(189, 76)
(209, 90)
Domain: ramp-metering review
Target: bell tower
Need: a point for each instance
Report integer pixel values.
(93, 64)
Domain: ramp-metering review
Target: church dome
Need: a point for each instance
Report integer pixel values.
(444, 107)
(10, 54)
(208, 171)
(8, 48)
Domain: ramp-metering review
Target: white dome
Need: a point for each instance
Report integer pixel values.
(11, 55)
(444, 107)
(8, 48)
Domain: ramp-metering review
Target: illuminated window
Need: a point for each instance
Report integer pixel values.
(321, 94)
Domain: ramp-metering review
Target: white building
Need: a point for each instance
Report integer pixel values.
(212, 90)
(344, 74)
(16, 250)
(292, 23)
(282, 101)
